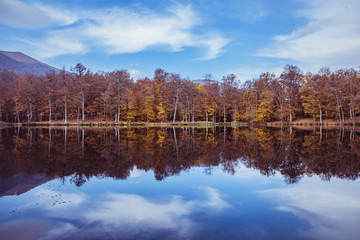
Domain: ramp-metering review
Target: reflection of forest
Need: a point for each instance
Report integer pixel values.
(83, 153)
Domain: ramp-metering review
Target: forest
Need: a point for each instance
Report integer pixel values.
(80, 95)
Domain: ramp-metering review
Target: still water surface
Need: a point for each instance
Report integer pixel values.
(183, 183)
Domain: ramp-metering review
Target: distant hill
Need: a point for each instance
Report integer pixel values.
(19, 62)
(203, 81)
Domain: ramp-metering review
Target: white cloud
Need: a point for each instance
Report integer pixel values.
(59, 43)
(121, 30)
(254, 12)
(135, 74)
(331, 37)
(214, 46)
(58, 15)
(333, 209)
(15, 13)
(18, 14)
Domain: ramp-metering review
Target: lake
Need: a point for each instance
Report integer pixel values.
(179, 183)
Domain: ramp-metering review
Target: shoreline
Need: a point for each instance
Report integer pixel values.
(300, 124)
(125, 124)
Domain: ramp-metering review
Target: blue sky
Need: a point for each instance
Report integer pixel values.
(191, 37)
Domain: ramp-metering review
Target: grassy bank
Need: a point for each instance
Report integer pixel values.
(310, 122)
(129, 124)
(3, 124)
(298, 123)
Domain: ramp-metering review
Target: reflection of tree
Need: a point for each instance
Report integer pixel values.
(83, 153)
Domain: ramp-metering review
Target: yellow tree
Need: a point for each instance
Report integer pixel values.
(310, 96)
(266, 110)
(148, 100)
(265, 97)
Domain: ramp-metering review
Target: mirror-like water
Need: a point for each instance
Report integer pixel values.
(179, 183)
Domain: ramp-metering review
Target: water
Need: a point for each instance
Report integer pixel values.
(183, 183)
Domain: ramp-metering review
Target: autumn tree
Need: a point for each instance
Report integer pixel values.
(291, 80)
(228, 93)
(79, 83)
(118, 81)
(310, 97)
(174, 85)
(160, 78)
(64, 84)
(266, 108)
(350, 84)
(50, 83)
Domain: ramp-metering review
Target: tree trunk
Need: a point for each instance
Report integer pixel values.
(176, 103)
(118, 114)
(320, 115)
(83, 106)
(65, 103)
(30, 110)
(214, 114)
(235, 112)
(55, 112)
(207, 116)
(193, 113)
(224, 114)
(206, 111)
(17, 112)
(49, 107)
(290, 112)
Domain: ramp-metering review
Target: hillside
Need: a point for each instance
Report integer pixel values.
(19, 62)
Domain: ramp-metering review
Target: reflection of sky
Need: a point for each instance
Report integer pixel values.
(333, 209)
(190, 206)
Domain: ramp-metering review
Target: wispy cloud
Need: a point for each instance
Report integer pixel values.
(15, 13)
(19, 14)
(114, 30)
(60, 16)
(331, 36)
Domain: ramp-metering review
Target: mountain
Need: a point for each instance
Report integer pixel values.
(21, 183)
(203, 81)
(19, 62)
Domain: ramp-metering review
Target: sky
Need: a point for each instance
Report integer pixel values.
(189, 37)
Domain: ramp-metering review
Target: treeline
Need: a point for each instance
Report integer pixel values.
(80, 95)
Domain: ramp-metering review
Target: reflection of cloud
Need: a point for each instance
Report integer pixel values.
(215, 199)
(119, 215)
(134, 173)
(128, 211)
(56, 201)
(333, 209)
